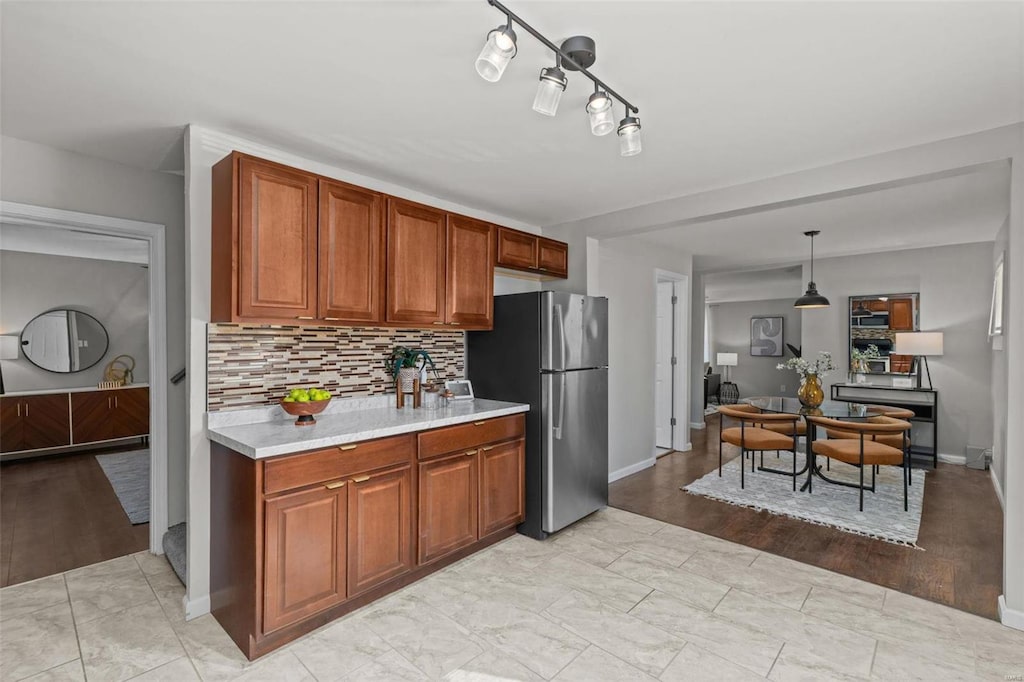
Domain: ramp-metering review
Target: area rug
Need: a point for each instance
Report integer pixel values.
(128, 473)
(830, 505)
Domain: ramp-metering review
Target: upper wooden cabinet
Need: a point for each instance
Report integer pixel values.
(417, 236)
(901, 314)
(528, 252)
(352, 245)
(470, 278)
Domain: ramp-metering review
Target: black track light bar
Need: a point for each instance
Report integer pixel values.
(566, 59)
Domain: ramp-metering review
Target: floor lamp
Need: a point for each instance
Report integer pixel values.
(920, 345)
(8, 351)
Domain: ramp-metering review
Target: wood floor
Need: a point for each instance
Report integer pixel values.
(961, 528)
(59, 513)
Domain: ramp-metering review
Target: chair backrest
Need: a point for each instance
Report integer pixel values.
(875, 425)
(745, 412)
(713, 382)
(895, 412)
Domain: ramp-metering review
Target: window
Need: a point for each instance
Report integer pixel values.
(995, 318)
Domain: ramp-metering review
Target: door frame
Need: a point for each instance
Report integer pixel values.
(681, 373)
(154, 234)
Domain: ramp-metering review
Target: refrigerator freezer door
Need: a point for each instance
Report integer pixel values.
(574, 331)
(575, 437)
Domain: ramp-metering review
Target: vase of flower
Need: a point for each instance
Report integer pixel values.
(810, 393)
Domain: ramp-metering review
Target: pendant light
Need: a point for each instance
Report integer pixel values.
(549, 90)
(499, 49)
(860, 311)
(629, 135)
(599, 107)
(811, 298)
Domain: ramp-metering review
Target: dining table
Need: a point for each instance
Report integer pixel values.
(831, 409)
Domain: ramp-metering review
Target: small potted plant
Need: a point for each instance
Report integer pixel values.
(405, 364)
(859, 361)
(810, 393)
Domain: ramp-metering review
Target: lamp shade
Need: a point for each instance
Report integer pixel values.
(918, 343)
(9, 347)
(727, 359)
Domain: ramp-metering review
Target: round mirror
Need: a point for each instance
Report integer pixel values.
(64, 341)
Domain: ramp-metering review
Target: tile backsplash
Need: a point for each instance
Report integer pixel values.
(251, 365)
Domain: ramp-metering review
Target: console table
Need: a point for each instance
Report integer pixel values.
(924, 402)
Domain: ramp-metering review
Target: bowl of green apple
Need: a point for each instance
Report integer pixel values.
(304, 403)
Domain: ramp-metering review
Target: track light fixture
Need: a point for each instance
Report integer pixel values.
(577, 53)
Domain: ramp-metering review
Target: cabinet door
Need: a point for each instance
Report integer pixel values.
(516, 249)
(304, 557)
(277, 242)
(416, 263)
(10, 425)
(379, 528)
(91, 416)
(447, 505)
(46, 422)
(901, 314)
(352, 250)
(900, 364)
(553, 257)
(131, 412)
(502, 497)
(470, 282)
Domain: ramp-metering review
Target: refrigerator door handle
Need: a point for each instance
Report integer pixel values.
(559, 314)
(557, 430)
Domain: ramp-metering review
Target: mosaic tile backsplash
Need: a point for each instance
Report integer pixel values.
(253, 365)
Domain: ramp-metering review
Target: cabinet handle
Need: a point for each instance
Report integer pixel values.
(360, 479)
(348, 447)
(335, 485)
(19, 409)
(26, 409)
(115, 402)
(488, 448)
(108, 402)
(470, 453)
(438, 322)
(479, 423)
(332, 319)
(304, 317)
(453, 323)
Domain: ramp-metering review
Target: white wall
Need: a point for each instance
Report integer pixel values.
(730, 333)
(203, 148)
(116, 294)
(40, 175)
(627, 277)
(955, 283)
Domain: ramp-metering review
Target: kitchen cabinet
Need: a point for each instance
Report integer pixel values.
(877, 306)
(469, 283)
(448, 504)
(306, 553)
(417, 238)
(109, 415)
(530, 253)
(352, 254)
(502, 477)
(900, 364)
(34, 422)
(553, 257)
(901, 314)
(300, 539)
(380, 528)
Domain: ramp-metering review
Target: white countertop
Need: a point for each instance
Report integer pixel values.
(282, 437)
(77, 389)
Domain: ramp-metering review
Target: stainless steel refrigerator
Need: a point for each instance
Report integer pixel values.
(550, 349)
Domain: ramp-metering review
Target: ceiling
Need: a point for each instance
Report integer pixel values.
(728, 92)
(754, 285)
(955, 210)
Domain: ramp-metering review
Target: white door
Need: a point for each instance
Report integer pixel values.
(663, 384)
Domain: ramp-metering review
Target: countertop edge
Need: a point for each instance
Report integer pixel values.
(355, 436)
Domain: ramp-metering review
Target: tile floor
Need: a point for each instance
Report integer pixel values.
(616, 597)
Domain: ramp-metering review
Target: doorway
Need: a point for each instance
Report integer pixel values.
(671, 428)
(119, 419)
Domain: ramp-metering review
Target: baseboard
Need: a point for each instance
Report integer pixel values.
(698, 425)
(631, 469)
(1011, 618)
(687, 447)
(998, 488)
(196, 607)
(953, 459)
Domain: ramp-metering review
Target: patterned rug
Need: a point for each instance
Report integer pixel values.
(830, 505)
(128, 473)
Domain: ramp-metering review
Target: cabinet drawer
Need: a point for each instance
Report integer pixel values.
(295, 471)
(464, 436)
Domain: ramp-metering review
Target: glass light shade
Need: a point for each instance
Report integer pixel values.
(498, 51)
(549, 91)
(629, 136)
(599, 106)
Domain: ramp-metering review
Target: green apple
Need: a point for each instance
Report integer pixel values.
(288, 399)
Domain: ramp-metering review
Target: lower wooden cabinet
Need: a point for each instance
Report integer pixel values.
(301, 539)
(306, 553)
(447, 505)
(108, 415)
(380, 528)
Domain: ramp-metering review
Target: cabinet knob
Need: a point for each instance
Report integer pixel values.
(348, 447)
(335, 485)
(471, 453)
(360, 479)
